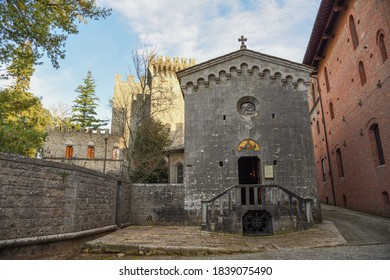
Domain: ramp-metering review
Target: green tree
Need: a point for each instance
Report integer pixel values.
(23, 119)
(148, 155)
(84, 108)
(44, 24)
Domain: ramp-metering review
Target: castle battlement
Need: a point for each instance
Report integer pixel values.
(166, 64)
(103, 131)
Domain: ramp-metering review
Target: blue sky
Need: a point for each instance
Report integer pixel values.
(202, 29)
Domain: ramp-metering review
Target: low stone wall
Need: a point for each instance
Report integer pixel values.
(157, 204)
(44, 201)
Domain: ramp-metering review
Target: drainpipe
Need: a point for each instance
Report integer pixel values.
(313, 75)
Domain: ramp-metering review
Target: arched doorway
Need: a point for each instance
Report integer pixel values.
(249, 170)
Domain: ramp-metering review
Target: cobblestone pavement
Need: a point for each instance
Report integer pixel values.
(344, 234)
(358, 228)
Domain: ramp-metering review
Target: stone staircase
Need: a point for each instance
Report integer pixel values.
(256, 210)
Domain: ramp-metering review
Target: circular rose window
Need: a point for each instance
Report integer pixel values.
(247, 108)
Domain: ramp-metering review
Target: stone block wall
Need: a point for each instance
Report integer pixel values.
(157, 204)
(40, 198)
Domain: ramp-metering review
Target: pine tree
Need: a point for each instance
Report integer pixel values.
(83, 111)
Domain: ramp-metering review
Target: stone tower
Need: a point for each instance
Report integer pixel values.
(161, 92)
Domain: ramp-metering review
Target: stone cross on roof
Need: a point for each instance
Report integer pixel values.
(242, 40)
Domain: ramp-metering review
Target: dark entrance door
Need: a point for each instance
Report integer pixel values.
(248, 170)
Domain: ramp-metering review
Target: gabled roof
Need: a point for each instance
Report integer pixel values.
(239, 53)
(327, 15)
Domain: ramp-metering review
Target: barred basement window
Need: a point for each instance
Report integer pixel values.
(362, 73)
(339, 160)
(382, 46)
(354, 35)
(376, 145)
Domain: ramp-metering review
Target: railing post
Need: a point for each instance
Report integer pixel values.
(204, 215)
(238, 196)
(300, 210)
(291, 205)
(256, 195)
(309, 212)
(221, 206)
(272, 196)
(247, 195)
(212, 211)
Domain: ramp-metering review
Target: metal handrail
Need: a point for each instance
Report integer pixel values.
(255, 185)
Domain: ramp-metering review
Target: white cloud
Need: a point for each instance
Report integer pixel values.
(51, 85)
(209, 28)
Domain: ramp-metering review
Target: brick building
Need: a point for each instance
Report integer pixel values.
(349, 103)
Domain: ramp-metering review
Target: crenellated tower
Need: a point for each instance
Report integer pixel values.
(164, 91)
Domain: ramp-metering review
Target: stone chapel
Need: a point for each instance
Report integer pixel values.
(244, 155)
(248, 139)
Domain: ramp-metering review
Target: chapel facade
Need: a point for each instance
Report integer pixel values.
(247, 137)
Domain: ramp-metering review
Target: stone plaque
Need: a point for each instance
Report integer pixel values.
(269, 171)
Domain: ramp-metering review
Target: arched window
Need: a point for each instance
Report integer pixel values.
(115, 151)
(327, 79)
(354, 35)
(382, 46)
(323, 168)
(339, 161)
(376, 145)
(331, 111)
(385, 196)
(91, 150)
(318, 128)
(69, 151)
(179, 173)
(362, 73)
